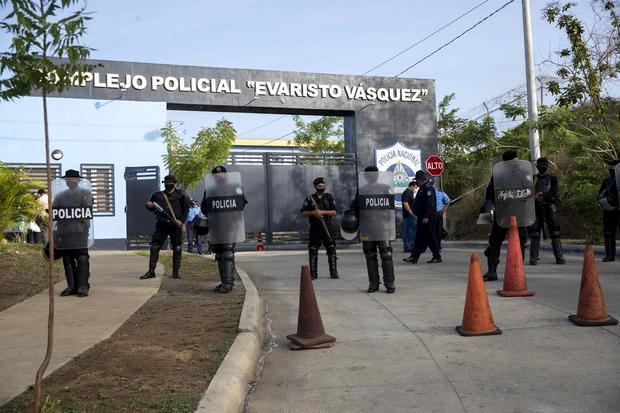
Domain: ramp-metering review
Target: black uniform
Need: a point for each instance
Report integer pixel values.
(497, 237)
(180, 203)
(546, 212)
(372, 263)
(611, 219)
(318, 235)
(425, 207)
(224, 254)
(76, 261)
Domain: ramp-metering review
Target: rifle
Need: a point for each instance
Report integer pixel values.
(166, 215)
(316, 208)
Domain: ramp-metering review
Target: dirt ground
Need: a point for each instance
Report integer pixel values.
(23, 272)
(161, 360)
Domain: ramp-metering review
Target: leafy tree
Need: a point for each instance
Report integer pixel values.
(17, 202)
(40, 31)
(323, 135)
(592, 58)
(190, 163)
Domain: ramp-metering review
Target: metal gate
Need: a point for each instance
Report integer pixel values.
(140, 182)
(275, 185)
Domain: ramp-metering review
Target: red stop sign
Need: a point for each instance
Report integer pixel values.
(434, 165)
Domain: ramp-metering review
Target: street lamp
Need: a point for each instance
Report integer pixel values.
(57, 154)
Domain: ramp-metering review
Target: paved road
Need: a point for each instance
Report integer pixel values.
(400, 353)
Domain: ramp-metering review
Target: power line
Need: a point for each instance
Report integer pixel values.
(268, 142)
(456, 38)
(263, 125)
(426, 38)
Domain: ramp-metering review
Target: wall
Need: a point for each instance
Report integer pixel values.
(87, 131)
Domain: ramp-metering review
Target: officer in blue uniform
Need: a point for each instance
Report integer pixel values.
(425, 209)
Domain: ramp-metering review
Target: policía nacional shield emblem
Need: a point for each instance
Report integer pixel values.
(403, 162)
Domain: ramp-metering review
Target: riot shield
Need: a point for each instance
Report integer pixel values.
(72, 213)
(618, 182)
(377, 220)
(224, 204)
(514, 193)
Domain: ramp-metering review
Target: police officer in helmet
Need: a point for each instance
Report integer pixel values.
(608, 198)
(171, 207)
(375, 189)
(223, 205)
(546, 193)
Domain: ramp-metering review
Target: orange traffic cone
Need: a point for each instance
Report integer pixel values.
(477, 316)
(310, 331)
(515, 284)
(591, 310)
(259, 242)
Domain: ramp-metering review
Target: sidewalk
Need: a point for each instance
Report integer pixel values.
(400, 353)
(116, 293)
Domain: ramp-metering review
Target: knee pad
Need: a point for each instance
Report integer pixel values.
(312, 250)
(386, 253)
(228, 256)
(555, 233)
(535, 235)
(176, 249)
(155, 248)
(331, 250)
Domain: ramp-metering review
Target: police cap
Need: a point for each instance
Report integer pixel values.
(170, 178)
(371, 168)
(218, 169)
(319, 180)
(72, 173)
(543, 161)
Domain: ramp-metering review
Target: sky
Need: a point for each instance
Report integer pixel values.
(336, 36)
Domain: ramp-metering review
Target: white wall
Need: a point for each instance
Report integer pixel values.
(87, 131)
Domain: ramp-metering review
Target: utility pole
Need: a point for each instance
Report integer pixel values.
(532, 107)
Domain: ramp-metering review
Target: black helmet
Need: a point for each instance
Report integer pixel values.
(201, 225)
(349, 225)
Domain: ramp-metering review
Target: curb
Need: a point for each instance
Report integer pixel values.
(229, 387)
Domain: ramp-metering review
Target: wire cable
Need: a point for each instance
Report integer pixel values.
(263, 125)
(456, 38)
(426, 38)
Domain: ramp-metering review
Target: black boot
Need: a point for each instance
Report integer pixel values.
(83, 274)
(534, 248)
(492, 263)
(557, 251)
(313, 260)
(153, 258)
(71, 277)
(610, 249)
(176, 261)
(226, 272)
(218, 259)
(332, 260)
(372, 265)
(387, 265)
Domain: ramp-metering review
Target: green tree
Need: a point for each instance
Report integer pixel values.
(209, 148)
(40, 31)
(324, 135)
(17, 200)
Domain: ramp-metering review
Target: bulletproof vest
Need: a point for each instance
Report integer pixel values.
(543, 183)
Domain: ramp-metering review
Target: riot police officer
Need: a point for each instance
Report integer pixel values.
(72, 214)
(608, 199)
(374, 207)
(545, 197)
(319, 208)
(171, 207)
(425, 208)
(498, 233)
(223, 205)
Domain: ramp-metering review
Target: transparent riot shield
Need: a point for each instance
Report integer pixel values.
(223, 204)
(618, 182)
(72, 213)
(377, 220)
(514, 193)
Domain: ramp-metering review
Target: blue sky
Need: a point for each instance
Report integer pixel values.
(337, 36)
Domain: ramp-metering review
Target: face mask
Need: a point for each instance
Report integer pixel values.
(169, 187)
(320, 191)
(542, 169)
